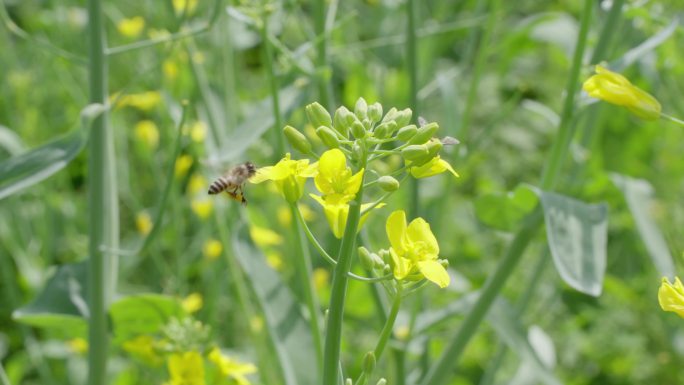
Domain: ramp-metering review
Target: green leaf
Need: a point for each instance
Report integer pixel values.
(506, 211)
(577, 236)
(639, 196)
(142, 314)
(34, 166)
(61, 306)
(287, 328)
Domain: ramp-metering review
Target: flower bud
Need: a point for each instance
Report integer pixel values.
(328, 137)
(433, 147)
(358, 152)
(365, 258)
(375, 112)
(385, 130)
(297, 140)
(414, 152)
(358, 130)
(403, 117)
(343, 119)
(390, 115)
(381, 381)
(348, 381)
(369, 363)
(388, 183)
(361, 109)
(367, 124)
(406, 133)
(424, 133)
(318, 115)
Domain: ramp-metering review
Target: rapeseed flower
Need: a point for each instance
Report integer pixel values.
(289, 176)
(334, 179)
(182, 165)
(263, 236)
(142, 348)
(146, 131)
(617, 89)
(433, 167)
(212, 249)
(414, 249)
(131, 27)
(144, 101)
(671, 296)
(202, 208)
(192, 303)
(78, 345)
(336, 212)
(186, 369)
(231, 368)
(184, 6)
(143, 223)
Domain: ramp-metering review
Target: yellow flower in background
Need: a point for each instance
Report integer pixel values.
(197, 184)
(275, 260)
(231, 368)
(265, 237)
(336, 212)
(143, 223)
(184, 6)
(131, 27)
(78, 345)
(144, 101)
(146, 131)
(170, 69)
(284, 214)
(202, 207)
(671, 297)
(142, 348)
(402, 332)
(198, 131)
(433, 167)
(183, 164)
(617, 89)
(334, 179)
(256, 324)
(414, 249)
(320, 278)
(212, 249)
(186, 369)
(289, 176)
(192, 303)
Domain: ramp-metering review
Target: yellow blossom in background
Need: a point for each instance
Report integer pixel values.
(336, 212)
(212, 249)
(402, 332)
(617, 89)
(433, 167)
(274, 260)
(256, 324)
(197, 184)
(284, 214)
(78, 345)
(144, 101)
(671, 296)
(143, 223)
(202, 208)
(265, 237)
(170, 69)
(186, 369)
(289, 176)
(184, 6)
(146, 131)
(414, 249)
(334, 179)
(131, 27)
(320, 278)
(231, 368)
(183, 164)
(142, 348)
(198, 131)
(192, 303)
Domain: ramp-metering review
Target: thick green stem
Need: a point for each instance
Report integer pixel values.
(440, 372)
(412, 65)
(333, 335)
(273, 85)
(102, 205)
(303, 266)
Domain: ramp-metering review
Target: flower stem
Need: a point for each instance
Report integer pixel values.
(412, 64)
(338, 293)
(273, 85)
(303, 267)
(672, 119)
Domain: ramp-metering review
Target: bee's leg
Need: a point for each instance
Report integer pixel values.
(242, 195)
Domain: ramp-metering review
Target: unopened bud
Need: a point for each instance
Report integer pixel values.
(297, 140)
(342, 118)
(358, 130)
(434, 147)
(414, 152)
(318, 115)
(365, 258)
(406, 133)
(381, 381)
(385, 130)
(388, 183)
(424, 133)
(358, 153)
(390, 115)
(375, 112)
(369, 363)
(348, 381)
(361, 109)
(403, 117)
(328, 137)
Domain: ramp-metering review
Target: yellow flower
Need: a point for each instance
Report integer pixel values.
(198, 131)
(192, 303)
(144, 101)
(671, 297)
(183, 164)
(142, 348)
(256, 324)
(197, 184)
(231, 368)
(335, 180)
(131, 27)
(265, 237)
(320, 278)
(414, 249)
(78, 345)
(616, 89)
(433, 167)
(143, 223)
(202, 208)
(184, 6)
(212, 249)
(289, 176)
(147, 132)
(275, 260)
(186, 369)
(337, 211)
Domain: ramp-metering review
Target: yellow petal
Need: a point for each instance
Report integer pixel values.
(434, 272)
(336, 214)
(353, 184)
(400, 266)
(419, 231)
(671, 297)
(396, 230)
(435, 166)
(332, 162)
(262, 174)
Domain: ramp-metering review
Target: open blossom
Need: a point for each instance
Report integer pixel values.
(231, 368)
(414, 249)
(334, 179)
(289, 176)
(434, 166)
(617, 89)
(186, 369)
(671, 296)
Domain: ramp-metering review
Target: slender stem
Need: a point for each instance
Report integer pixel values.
(385, 334)
(303, 267)
(273, 84)
(441, 370)
(339, 290)
(672, 119)
(324, 90)
(102, 205)
(412, 64)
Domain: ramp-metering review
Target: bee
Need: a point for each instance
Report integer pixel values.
(233, 181)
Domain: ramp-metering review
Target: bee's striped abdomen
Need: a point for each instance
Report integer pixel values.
(219, 185)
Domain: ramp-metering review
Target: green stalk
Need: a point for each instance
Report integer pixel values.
(440, 372)
(333, 336)
(385, 334)
(3, 376)
(412, 64)
(273, 85)
(303, 267)
(102, 205)
(324, 89)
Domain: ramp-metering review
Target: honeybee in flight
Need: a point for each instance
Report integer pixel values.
(233, 181)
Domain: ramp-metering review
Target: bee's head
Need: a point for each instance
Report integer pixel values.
(251, 168)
